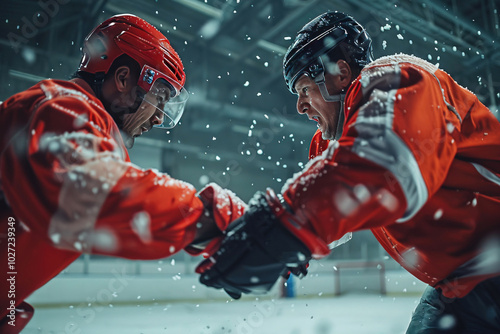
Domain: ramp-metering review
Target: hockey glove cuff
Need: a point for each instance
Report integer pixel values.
(222, 206)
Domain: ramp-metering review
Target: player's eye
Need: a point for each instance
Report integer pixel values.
(162, 96)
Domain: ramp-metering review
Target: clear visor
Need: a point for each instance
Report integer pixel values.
(169, 109)
(165, 95)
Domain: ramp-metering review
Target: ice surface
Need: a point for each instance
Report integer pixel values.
(350, 313)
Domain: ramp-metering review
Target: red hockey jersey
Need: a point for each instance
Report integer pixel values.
(418, 163)
(68, 187)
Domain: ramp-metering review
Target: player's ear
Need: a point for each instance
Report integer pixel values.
(345, 73)
(122, 78)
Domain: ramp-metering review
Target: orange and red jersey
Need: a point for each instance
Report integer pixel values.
(67, 181)
(418, 163)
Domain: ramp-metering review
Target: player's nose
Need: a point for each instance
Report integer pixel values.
(302, 106)
(157, 118)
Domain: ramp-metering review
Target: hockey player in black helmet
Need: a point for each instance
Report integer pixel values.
(319, 45)
(412, 164)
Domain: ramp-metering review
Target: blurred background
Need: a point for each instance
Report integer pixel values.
(240, 128)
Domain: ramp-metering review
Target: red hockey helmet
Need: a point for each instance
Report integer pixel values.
(131, 35)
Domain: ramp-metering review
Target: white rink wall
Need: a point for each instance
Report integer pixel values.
(108, 295)
(117, 281)
(350, 314)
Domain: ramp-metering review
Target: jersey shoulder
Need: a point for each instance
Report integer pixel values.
(69, 100)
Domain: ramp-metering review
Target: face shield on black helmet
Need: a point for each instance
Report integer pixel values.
(165, 94)
(309, 53)
(308, 59)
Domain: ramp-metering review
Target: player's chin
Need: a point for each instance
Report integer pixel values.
(327, 134)
(129, 141)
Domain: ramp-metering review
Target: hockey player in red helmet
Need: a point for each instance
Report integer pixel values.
(125, 39)
(67, 186)
(416, 160)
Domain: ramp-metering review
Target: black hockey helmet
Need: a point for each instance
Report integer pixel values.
(326, 32)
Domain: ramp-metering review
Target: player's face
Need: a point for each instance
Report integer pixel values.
(148, 114)
(311, 103)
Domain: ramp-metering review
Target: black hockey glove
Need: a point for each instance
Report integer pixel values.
(256, 250)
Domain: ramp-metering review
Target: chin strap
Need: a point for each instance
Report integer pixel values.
(340, 123)
(320, 81)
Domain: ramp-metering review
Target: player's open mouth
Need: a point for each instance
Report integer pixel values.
(315, 118)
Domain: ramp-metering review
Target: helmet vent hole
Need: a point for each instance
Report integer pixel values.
(174, 70)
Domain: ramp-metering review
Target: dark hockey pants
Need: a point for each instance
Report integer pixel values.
(476, 313)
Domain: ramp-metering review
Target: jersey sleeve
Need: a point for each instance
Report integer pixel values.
(394, 154)
(75, 186)
(318, 145)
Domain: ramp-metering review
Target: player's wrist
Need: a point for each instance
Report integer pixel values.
(207, 236)
(299, 226)
(221, 207)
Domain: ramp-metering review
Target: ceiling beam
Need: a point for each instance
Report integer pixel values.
(25, 76)
(47, 53)
(287, 20)
(202, 7)
(231, 15)
(464, 23)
